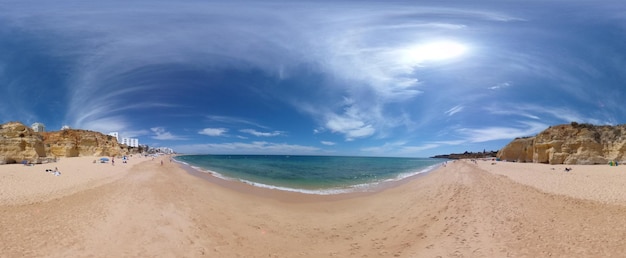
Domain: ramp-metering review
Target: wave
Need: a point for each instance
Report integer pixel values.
(363, 187)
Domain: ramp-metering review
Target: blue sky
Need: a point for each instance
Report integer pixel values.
(373, 78)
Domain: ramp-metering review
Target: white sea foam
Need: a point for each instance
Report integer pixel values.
(364, 187)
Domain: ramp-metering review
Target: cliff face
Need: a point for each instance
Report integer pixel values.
(569, 144)
(74, 143)
(19, 142)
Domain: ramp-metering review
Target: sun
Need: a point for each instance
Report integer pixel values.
(436, 51)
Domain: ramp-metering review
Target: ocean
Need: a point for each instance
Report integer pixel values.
(310, 174)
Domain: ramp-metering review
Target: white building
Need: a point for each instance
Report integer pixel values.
(116, 135)
(130, 142)
(65, 127)
(38, 127)
(165, 150)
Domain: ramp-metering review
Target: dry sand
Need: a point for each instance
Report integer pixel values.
(144, 209)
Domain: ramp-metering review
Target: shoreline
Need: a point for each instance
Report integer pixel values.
(292, 194)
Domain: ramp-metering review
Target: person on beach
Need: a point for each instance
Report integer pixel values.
(112, 161)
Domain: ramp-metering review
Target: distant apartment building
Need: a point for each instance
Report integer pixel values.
(38, 127)
(130, 142)
(165, 150)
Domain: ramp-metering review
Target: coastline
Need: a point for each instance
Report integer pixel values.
(462, 209)
(355, 188)
(295, 196)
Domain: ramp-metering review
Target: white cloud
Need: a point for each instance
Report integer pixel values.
(328, 143)
(213, 131)
(248, 148)
(319, 130)
(562, 114)
(234, 121)
(454, 110)
(500, 86)
(261, 134)
(161, 134)
(350, 126)
(501, 133)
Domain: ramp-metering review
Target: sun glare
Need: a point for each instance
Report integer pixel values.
(438, 50)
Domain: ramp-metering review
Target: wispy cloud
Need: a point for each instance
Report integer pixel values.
(161, 134)
(500, 86)
(261, 134)
(213, 131)
(229, 120)
(556, 114)
(248, 148)
(486, 134)
(352, 127)
(328, 143)
(454, 110)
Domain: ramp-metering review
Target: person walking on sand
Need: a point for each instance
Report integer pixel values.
(112, 161)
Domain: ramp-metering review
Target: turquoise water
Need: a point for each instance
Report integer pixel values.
(310, 174)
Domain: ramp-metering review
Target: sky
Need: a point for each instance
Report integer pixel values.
(363, 78)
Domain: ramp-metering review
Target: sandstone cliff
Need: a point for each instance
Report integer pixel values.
(19, 142)
(569, 144)
(74, 143)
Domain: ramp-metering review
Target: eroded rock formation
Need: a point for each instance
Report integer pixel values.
(569, 144)
(19, 142)
(74, 143)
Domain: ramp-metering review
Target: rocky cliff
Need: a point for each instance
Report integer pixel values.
(570, 144)
(74, 143)
(19, 142)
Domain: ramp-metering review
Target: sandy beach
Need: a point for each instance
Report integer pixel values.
(145, 209)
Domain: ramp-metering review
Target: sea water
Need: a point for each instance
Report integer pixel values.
(310, 174)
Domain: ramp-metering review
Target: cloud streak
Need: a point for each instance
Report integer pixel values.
(261, 134)
(257, 147)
